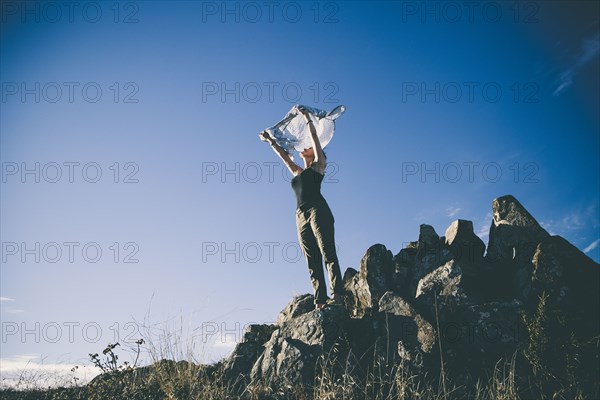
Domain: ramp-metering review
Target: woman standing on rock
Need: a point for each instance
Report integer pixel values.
(314, 219)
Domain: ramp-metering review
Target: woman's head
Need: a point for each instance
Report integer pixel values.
(308, 155)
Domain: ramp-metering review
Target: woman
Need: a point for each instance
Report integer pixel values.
(314, 219)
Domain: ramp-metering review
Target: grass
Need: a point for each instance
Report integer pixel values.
(549, 366)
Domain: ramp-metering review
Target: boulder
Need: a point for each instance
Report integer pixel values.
(466, 247)
(440, 292)
(291, 354)
(374, 278)
(238, 365)
(570, 279)
(404, 263)
(430, 255)
(514, 236)
(298, 306)
(404, 324)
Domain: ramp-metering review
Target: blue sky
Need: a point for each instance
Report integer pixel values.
(448, 107)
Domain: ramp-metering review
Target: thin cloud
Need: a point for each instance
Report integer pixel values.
(590, 49)
(452, 211)
(592, 246)
(28, 371)
(226, 341)
(484, 226)
(573, 221)
(3, 299)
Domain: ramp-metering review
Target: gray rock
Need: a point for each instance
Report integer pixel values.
(442, 289)
(570, 279)
(404, 264)
(238, 365)
(298, 306)
(291, 354)
(466, 247)
(430, 255)
(375, 277)
(514, 236)
(428, 240)
(410, 328)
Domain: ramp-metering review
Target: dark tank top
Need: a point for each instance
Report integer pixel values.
(307, 187)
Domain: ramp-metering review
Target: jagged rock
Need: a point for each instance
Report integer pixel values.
(238, 365)
(428, 240)
(444, 281)
(374, 278)
(291, 354)
(404, 263)
(430, 255)
(514, 236)
(348, 279)
(466, 247)
(390, 316)
(570, 279)
(405, 324)
(298, 306)
(442, 288)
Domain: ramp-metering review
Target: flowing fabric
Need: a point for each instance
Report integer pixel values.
(293, 133)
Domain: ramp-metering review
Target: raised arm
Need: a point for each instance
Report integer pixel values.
(319, 156)
(294, 168)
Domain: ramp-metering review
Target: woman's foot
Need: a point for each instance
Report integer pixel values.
(320, 306)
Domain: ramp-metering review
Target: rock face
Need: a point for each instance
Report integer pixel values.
(466, 247)
(246, 352)
(291, 354)
(407, 331)
(431, 253)
(373, 279)
(514, 236)
(570, 279)
(438, 299)
(442, 289)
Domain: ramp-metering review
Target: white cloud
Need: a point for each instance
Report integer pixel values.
(592, 246)
(3, 299)
(484, 226)
(28, 371)
(573, 221)
(226, 341)
(452, 211)
(590, 49)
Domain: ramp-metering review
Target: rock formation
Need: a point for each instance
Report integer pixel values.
(438, 300)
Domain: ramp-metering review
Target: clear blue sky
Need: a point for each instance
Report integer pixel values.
(490, 99)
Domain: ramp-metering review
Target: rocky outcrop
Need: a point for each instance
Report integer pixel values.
(442, 289)
(246, 352)
(514, 236)
(373, 279)
(291, 354)
(406, 332)
(570, 279)
(438, 300)
(466, 247)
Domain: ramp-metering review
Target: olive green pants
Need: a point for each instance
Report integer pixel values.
(316, 236)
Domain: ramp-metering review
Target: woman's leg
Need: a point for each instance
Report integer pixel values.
(322, 222)
(314, 260)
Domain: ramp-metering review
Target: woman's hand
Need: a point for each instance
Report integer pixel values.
(265, 137)
(302, 110)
